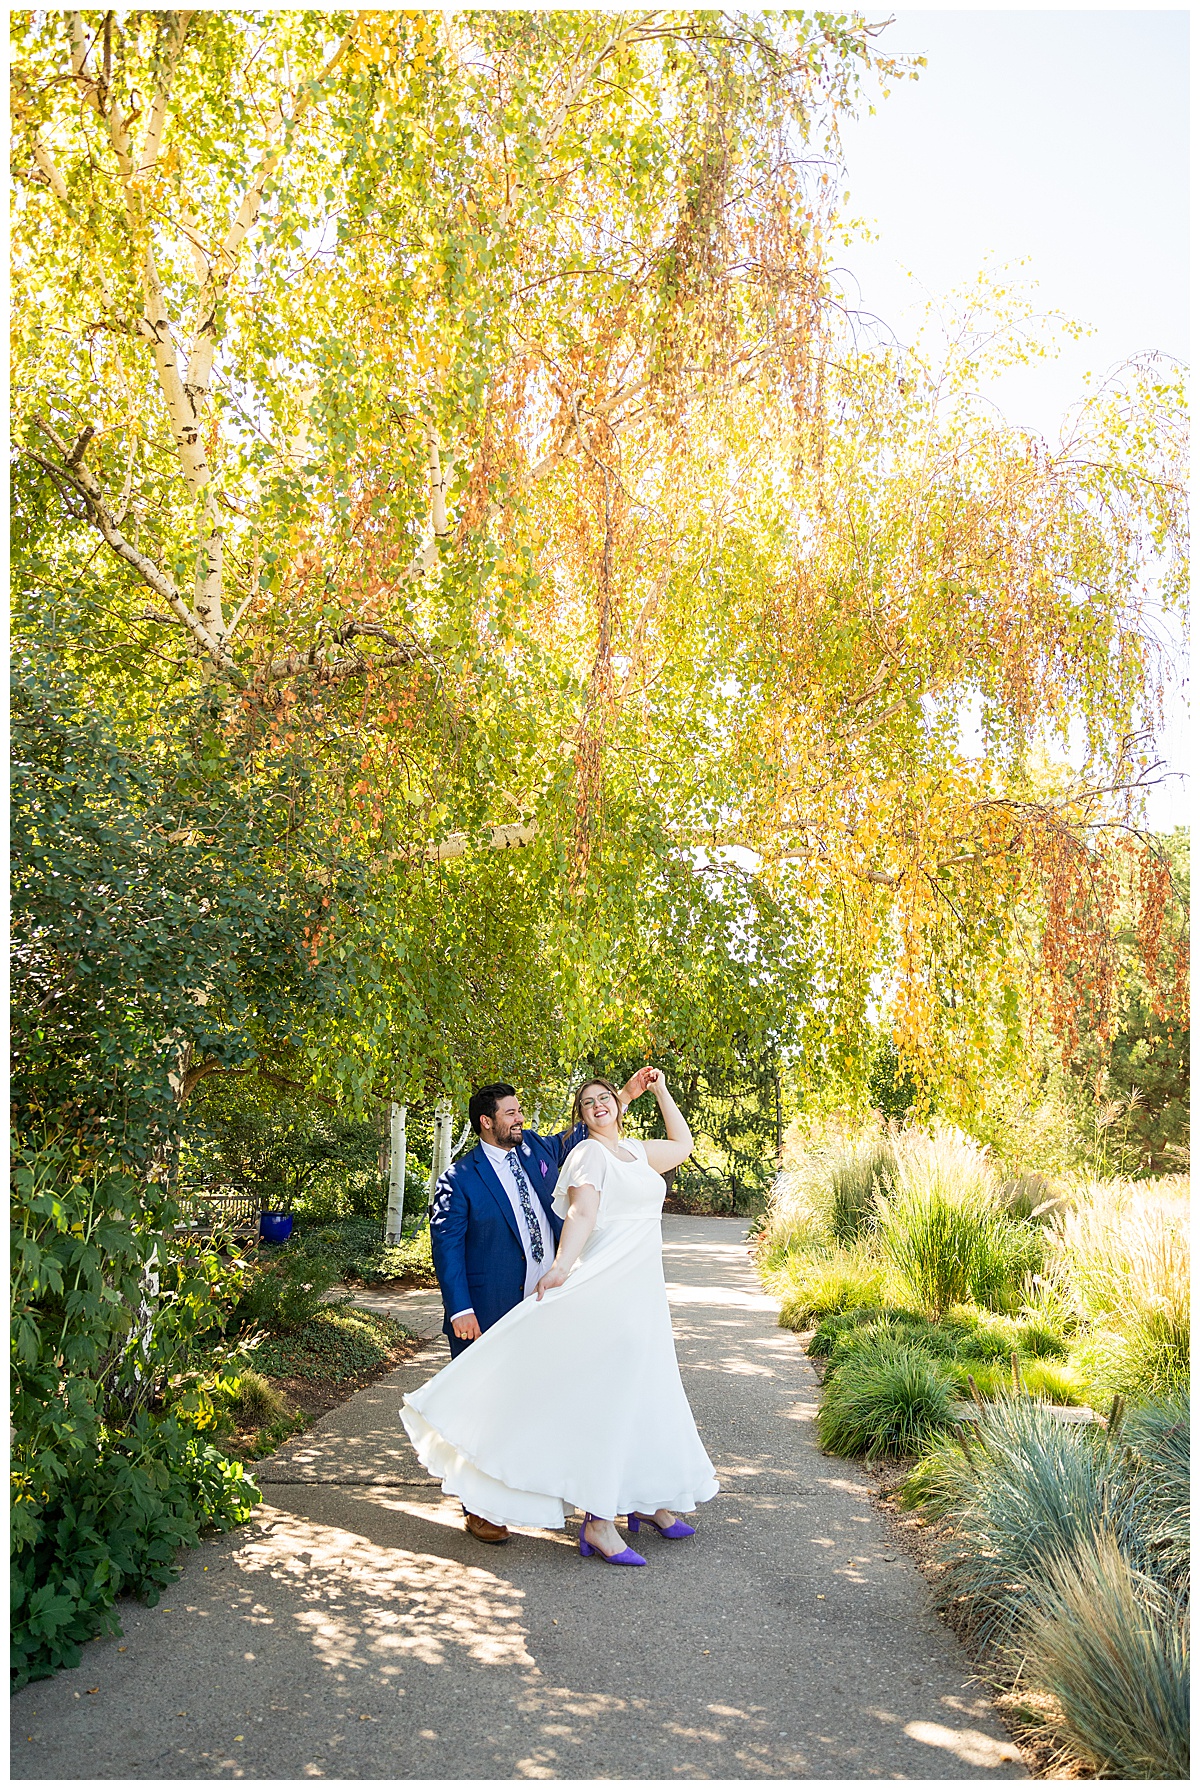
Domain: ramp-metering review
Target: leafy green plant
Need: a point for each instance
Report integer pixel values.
(357, 1249)
(112, 1527)
(895, 1399)
(283, 1294)
(114, 1378)
(1112, 1650)
(338, 1344)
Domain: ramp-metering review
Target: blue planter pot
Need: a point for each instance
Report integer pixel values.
(275, 1227)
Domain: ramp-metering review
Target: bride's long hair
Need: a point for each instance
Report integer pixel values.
(596, 1081)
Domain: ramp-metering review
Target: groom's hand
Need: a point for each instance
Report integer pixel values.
(637, 1084)
(466, 1327)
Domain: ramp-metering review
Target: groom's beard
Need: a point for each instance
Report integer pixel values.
(511, 1138)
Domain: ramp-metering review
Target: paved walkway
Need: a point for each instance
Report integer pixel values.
(353, 1631)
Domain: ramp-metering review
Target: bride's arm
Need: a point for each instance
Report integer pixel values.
(578, 1226)
(665, 1153)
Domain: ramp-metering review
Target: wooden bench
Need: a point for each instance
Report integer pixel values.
(204, 1210)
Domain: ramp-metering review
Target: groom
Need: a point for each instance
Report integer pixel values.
(492, 1231)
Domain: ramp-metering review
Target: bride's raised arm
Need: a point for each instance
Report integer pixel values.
(666, 1153)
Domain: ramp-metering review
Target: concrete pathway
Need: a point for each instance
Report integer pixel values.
(353, 1630)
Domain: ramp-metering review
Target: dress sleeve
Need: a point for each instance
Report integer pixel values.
(587, 1162)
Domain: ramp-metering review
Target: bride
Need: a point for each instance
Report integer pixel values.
(574, 1396)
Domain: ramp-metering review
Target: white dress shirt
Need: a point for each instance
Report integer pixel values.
(503, 1167)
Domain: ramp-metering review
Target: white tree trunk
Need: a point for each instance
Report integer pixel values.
(396, 1171)
(443, 1142)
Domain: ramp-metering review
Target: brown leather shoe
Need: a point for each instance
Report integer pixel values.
(482, 1530)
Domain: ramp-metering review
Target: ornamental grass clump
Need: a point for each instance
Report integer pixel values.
(1054, 1382)
(1111, 1648)
(826, 1192)
(1124, 1250)
(941, 1480)
(856, 1172)
(895, 1399)
(1041, 1490)
(1158, 1434)
(1041, 1342)
(814, 1286)
(944, 1231)
(254, 1401)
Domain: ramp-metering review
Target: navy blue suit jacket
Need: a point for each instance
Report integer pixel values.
(478, 1254)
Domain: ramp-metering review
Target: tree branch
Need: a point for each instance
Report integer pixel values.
(81, 480)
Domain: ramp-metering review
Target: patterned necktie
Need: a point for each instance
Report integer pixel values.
(536, 1246)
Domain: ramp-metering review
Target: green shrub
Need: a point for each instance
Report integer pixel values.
(110, 1530)
(284, 1293)
(340, 1343)
(895, 1399)
(1112, 1650)
(133, 933)
(357, 1249)
(816, 1286)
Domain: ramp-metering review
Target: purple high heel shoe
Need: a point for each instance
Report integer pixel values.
(626, 1557)
(676, 1532)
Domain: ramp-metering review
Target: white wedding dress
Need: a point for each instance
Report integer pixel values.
(574, 1399)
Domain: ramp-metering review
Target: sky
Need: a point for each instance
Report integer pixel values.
(1056, 136)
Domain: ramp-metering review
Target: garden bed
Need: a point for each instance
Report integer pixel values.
(337, 1353)
(1014, 1382)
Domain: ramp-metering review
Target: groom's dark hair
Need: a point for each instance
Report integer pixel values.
(483, 1102)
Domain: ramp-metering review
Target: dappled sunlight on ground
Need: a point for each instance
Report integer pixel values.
(364, 1603)
(719, 1297)
(967, 1744)
(353, 1630)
